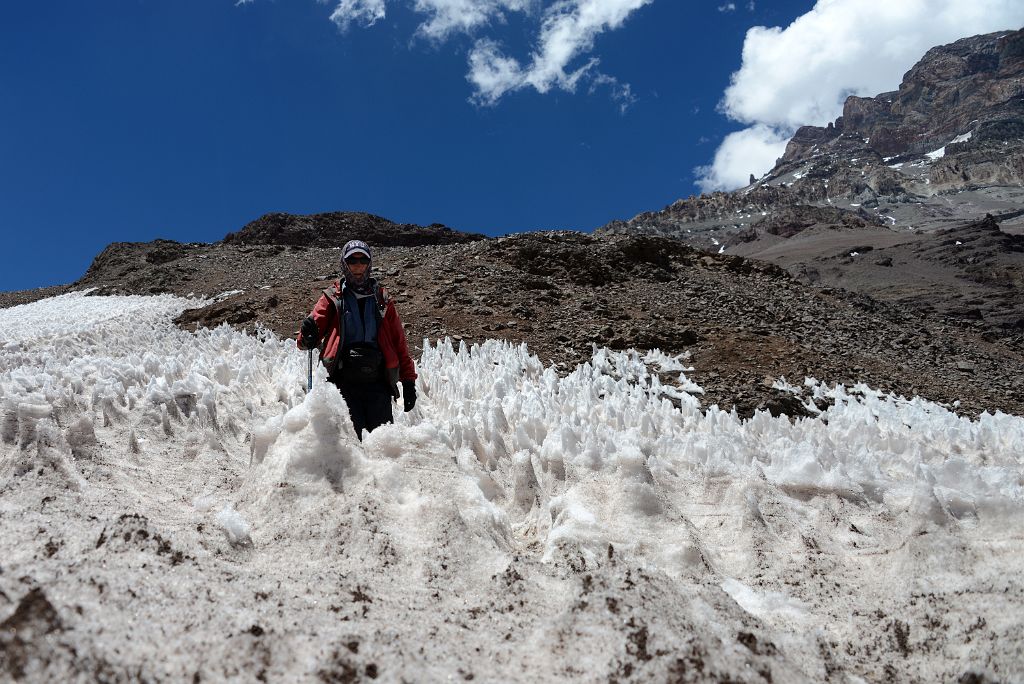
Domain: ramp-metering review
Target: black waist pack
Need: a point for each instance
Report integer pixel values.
(361, 365)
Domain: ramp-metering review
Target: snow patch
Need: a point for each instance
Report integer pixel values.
(226, 295)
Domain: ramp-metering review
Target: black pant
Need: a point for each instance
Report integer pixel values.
(369, 404)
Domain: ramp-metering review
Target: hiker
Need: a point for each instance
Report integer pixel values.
(362, 342)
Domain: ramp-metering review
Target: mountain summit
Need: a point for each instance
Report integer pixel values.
(961, 107)
(913, 196)
(956, 125)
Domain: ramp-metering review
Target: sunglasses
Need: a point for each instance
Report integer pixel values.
(357, 260)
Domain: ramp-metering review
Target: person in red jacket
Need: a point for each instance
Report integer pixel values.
(362, 342)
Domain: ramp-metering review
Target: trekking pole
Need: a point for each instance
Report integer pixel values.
(309, 378)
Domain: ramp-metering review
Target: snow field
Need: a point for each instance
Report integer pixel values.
(612, 421)
(515, 525)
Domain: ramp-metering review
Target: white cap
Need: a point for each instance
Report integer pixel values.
(355, 247)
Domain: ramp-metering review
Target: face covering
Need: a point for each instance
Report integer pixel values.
(360, 284)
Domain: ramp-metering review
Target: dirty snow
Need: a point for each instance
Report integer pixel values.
(941, 152)
(176, 506)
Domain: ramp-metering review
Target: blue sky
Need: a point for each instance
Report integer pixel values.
(185, 119)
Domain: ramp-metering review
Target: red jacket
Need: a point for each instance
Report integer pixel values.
(390, 335)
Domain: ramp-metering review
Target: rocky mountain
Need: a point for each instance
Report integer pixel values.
(965, 97)
(881, 200)
(955, 126)
(859, 258)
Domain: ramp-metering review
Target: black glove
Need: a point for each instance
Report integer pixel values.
(310, 333)
(409, 394)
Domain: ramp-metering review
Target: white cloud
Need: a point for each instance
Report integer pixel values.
(750, 151)
(491, 72)
(727, 7)
(365, 12)
(568, 29)
(802, 74)
(620, 92)
(448, 17)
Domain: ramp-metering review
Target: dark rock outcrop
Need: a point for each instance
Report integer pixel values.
(788, 221)
(334, 229)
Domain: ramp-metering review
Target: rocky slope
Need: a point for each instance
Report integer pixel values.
(744, 323)
(902, 168)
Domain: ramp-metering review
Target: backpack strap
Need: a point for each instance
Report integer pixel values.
(338, 300)
(383, 297)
